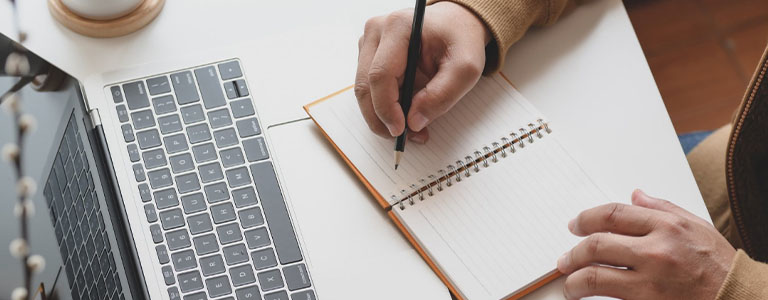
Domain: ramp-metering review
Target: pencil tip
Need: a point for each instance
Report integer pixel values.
(398, 155)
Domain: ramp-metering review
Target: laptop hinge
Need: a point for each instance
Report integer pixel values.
(95, 117)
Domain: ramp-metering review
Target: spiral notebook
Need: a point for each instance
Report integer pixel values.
(486, 201)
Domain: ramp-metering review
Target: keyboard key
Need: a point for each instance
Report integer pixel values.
(235, 254)
(154, 158)
(304, 295)
(264, 259)
(242, 88)
(219, 118)
(276, 213)
(248, 293)
(270, 280)
(136, 95)
(200, 223)
(258, 237)
(144, 192)
(279, 295)
(242, 108)
(203, 153)
(169, 124)
(143, 119)
(168, 275)
(198, 133)
(177, 239)
(229, 233)
(181, 163)
(296, 277)
(190, 281)
(138, 174)
(212, 265)
(160, 178)
(250, 217)
(205, 244)
(148, 139)
(255, 149)
(184, 86)
(122, 113)
(158, 85)
(248, 127)
(242, 275)
(117, 94)
(230, 89)
(133, 153)
(173, 293)
(210, 172)
(225, 137)
(157, 233)
(172, 219)
(175, 143)
(218, 286)
(149, 211)
(192, 114)
(223, 213)
(231, 157)
(166, 198)
(187, 183)
(245, 197)
(162, 254)
(183, 260)
(196, 296)
(127, 133)
(229, 70)
(216, 192)
(164, 104)
(210, 87)
(193, 203)
(238, 177)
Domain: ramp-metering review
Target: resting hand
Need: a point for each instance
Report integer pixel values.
(650, 250)
(452, 60)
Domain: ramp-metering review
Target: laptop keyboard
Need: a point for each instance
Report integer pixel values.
(78, 222)
(211, 198)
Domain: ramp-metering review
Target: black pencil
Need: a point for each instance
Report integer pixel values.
(406, 91)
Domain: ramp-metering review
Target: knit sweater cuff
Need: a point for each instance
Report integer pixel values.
(508, 20)
(747, 279)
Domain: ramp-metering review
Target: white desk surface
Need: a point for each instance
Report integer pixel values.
(587, 74)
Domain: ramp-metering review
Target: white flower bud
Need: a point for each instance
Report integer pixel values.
(11, 103)
(26, 187)
(19, 293)
(19, 248)
(17, 64)
(27, 123)
(30, 208)
(10, 152)
(36, 263)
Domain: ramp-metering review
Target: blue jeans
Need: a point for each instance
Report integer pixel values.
(691, 139)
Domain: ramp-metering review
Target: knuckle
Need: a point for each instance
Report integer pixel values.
(613, 211)
(377, 74)
(372, 24)
(593, 244)
(397, 18)
(470, 68)
(592, 279)
(362, 90)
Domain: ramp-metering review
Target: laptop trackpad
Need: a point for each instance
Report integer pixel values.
(353, 249)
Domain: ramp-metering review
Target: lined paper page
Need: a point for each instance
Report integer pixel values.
(490, 111)
(504, 227)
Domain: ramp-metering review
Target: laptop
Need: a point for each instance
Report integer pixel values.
(175, 160)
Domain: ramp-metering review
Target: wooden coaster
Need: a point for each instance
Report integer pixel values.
(137, 19)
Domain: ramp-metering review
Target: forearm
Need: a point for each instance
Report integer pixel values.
(508, 20)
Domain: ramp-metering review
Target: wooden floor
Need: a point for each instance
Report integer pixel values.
(702, 54)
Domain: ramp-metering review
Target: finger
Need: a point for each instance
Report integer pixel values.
(368, 44)
(387, 67)
(617, 218)
(640, 198)
(420, 137)
(601, 281)
(454, 79)
(600, 248)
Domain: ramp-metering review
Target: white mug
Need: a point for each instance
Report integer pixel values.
(101, 9)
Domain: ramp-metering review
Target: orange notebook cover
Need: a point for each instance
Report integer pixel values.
(535, 130)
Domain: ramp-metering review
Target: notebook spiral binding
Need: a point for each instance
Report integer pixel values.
(453, 173)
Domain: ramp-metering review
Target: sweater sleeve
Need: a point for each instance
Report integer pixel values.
(508, 20)
(747, 279)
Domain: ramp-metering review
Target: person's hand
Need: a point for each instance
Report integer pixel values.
(650, 250)
(452, 60)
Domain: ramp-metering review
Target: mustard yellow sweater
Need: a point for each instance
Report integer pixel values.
(508, 20)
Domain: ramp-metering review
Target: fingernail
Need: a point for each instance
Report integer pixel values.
(417, 138)
(392, 130)
(418, 122)
(562, 261)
